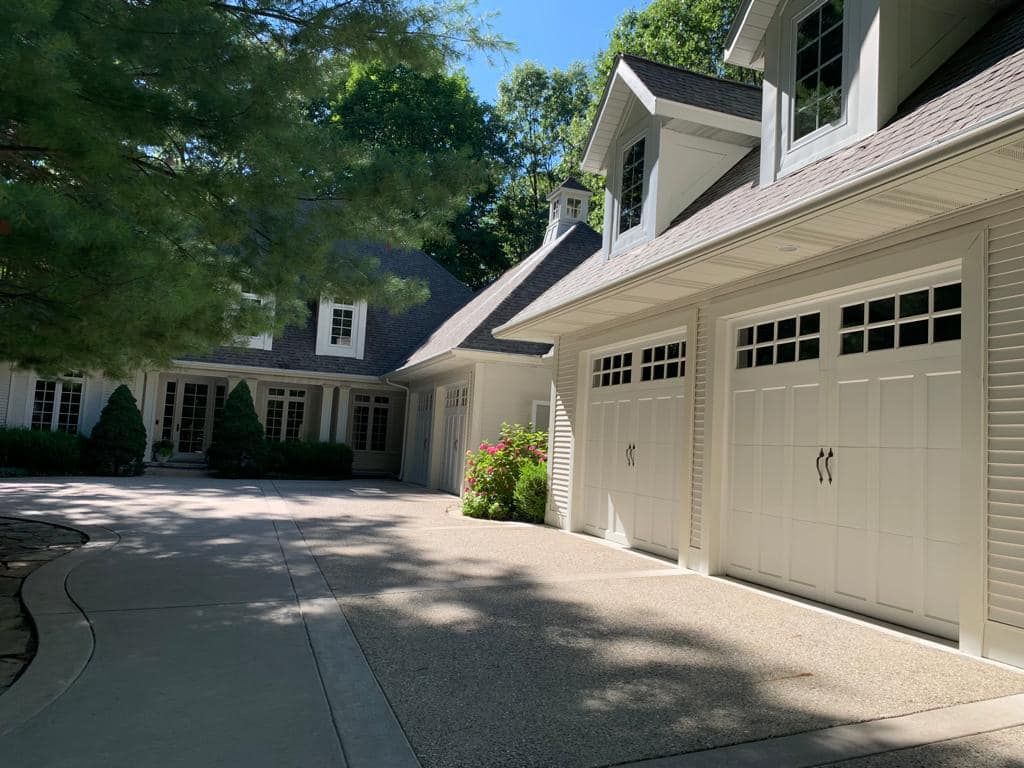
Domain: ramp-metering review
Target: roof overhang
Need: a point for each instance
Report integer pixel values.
(977, 166)
(456, 358)
(277, 374)
(745, 46)
(623, 86)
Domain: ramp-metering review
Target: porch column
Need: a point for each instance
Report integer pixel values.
(150, 398)
(326, 405)
(341, 418)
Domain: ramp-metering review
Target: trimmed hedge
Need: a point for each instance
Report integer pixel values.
(531, 493)
(239, 448)
(40, 453)
(117, 445)
(302, 459)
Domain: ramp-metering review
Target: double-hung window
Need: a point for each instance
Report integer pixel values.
(370, 415)
(341, 328)
(263, 340)
(57, 404)
(631, 197)
(286, 409)
(818, 82)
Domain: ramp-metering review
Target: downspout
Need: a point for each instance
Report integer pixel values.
(405, 423)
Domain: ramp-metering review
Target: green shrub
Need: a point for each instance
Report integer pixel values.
(492, 472)
(239, 448)
(300, 459)
(531, 492)
(40, 453)
(117, 445)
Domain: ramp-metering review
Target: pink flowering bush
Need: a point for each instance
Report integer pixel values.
(493, 470)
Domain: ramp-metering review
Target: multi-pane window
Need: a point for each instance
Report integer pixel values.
(454, 397)
(57, 406)
(818, 96)
(779, 341)
(342, 317)
(286, 409)
(573, 206)
(632, 196)
(612, 370)
(922, 316)
(663, 361)
(370, 422)
(167, 423)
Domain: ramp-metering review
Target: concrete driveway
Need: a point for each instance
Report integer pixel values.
(218, 642)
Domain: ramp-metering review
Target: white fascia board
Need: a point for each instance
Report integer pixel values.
(1005, 126)
(708, 117)
(289, 374)
(596, 151)
(744, 48)
(454, 358)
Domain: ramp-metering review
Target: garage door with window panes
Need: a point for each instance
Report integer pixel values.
(844, 468)
(633, 470)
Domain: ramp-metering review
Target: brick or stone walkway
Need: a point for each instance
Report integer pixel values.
(24, 546)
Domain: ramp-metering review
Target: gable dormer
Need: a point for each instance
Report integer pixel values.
(835, 71)
(662, 136)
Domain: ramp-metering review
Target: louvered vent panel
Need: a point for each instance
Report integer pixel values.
(562, 438)
(1006, 424)
(700, 374)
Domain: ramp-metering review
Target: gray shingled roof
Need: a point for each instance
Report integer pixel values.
(571, 183)
(983, 79)
(389, 338)
(685, 87)
(470, 327)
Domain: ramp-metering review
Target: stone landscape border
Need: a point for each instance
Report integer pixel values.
(64, 634)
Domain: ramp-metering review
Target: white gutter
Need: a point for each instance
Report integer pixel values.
(468, 355)
(997, 127)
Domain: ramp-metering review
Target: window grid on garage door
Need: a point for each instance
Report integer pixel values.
(910, 318)
(775, 342)
(663, 361)
(612, 370)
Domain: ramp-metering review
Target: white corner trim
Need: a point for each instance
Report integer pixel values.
(323, 330)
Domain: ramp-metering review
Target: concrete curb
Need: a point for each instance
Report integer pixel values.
(370, 734)
(63, 630)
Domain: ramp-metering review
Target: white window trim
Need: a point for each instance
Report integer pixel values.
(31, 400)
(263, 341)
(373, 405)
(533, 413)
(827, 139)
(634, 234)
(323, 330)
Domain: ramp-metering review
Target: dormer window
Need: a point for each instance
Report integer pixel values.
(631, 199)
(818, 91)
(263, 340)
(341, 328)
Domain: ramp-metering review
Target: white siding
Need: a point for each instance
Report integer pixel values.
(1005, 384)
(699, 372)
(563, 434)
(5, 392)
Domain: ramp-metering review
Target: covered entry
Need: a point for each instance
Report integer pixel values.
(636, 430)
(844, 451)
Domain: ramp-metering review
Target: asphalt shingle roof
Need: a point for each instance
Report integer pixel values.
(685, 87)
(471, 327)
(390, 339)
(983, 79)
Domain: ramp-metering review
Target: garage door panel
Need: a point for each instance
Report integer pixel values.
(621, 507)
(776, 468)
(944, 419)
(809, 543)
(804, 488)
(942, 565)
(942, 501)
(899, 572)
(775, 421)
(773, 555)
(852, 567)
(896, 410)
(807, 415)
(745, 478)
(743, 534)
(854, 414)
(899, 491)
(744, 423)
(851, 468)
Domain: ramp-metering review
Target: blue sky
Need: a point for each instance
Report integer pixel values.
(553, 33)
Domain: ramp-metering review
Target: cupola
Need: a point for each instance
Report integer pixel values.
(569, 203)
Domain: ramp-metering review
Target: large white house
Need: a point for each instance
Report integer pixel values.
(798, 356)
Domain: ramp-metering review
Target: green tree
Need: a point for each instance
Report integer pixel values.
(239, 447)
(157, 158)
(537, 107)
(422, 120)
(117, 445)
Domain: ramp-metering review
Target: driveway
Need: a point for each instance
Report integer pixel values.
(217, 641)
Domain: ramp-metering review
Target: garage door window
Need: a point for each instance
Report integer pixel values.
(613, 370)
(779, 341)
(663, 361)
(922, 316)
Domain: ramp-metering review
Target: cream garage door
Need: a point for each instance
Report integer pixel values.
(635, 435)
(453, 459)
(845, 452)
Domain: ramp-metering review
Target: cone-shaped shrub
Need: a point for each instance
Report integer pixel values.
(117, 445)
(239, 448)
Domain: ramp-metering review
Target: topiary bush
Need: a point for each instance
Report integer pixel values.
(492, 472)
(34, 452)
(531, 492)
(302, 459)
(117, 445)
(239, 448)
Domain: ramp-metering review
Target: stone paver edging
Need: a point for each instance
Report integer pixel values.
(65, 640)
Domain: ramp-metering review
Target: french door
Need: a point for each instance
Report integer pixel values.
(187, 415)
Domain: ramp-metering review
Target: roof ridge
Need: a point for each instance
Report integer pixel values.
(674, 68)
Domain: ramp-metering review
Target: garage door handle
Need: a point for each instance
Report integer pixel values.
(817, 465)
(828, 468)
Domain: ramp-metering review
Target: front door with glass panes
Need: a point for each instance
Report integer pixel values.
(285, 413)
(844, 468)
(187, 414)
(636, 429)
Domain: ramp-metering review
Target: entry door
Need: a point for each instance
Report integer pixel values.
(420, 460)
(456, 402)
(845, 470)
(636, 431)
(186, 417)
